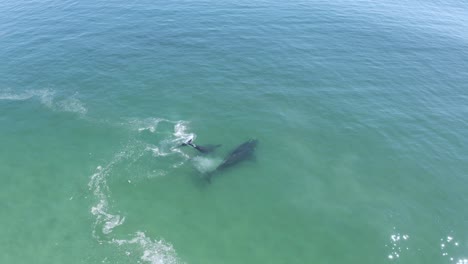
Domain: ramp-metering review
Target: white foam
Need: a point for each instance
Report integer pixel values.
(14, 97)
(153, 251)
(148, 250)
(156, 173)
(72, 104)
(151, 129)
(100, 189)
(180, 152)
(164, 150)
(169, 146)
(111, 222)
(46, 97)
(147, 124)
(157, 152)
(108, 220)
(180, 132)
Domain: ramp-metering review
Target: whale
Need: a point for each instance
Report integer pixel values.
(202, 149)
(242, 152)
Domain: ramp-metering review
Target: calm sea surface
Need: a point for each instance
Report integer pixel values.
(360, 109)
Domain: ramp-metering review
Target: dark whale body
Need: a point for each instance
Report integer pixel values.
(242, 152)
(202, 149)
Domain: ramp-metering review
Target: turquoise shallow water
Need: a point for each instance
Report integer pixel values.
(359, 108)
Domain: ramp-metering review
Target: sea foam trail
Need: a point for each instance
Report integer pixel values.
(153, 251)
(98, 185)
(149, 250)
(180, 133)
(71, 104)
(44, 95)
(48, 98)
(14, 97)
(146, 124)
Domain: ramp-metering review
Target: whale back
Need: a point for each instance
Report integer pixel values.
(240, 153)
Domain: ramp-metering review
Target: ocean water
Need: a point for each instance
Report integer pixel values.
(359, 107)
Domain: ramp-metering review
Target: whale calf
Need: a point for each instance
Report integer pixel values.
(203, 149)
